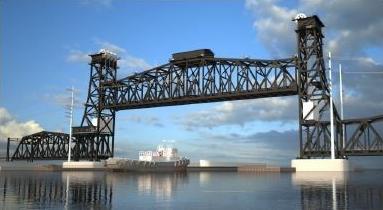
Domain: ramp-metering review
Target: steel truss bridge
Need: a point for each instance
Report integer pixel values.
(199, 77)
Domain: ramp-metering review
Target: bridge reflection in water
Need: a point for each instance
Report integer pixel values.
(82, 189)
(338, 190)
(53, 189)
(103, 190)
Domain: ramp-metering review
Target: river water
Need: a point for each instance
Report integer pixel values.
(193, 190)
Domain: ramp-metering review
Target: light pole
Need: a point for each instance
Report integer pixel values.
(70, 123)
(331, 111)
(341, 104)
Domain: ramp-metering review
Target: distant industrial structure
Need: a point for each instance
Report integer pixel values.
(200, 77)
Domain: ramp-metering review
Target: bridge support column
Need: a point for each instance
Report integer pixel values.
(321, 165)
(95, 136)
(314, 94)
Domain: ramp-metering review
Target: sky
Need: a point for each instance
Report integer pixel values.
(45, 47)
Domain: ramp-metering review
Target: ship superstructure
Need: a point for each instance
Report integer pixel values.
(163, 153)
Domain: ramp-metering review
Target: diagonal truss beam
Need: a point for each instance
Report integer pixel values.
(365, 136)
(202, 80)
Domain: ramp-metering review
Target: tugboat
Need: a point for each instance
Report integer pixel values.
(165, 158)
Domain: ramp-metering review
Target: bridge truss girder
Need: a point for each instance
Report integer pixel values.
(365, 136)
(54, 145)
(202, 80)
(42, 146)
(92, 147)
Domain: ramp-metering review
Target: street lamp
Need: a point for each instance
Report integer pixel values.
(70, 112)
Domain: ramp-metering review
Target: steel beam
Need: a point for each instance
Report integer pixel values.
(42, 146)
(203, 80)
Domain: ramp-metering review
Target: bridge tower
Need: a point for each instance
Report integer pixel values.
(314, 92)
(94, 139)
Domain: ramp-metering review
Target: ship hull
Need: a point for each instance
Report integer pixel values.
(147, 166)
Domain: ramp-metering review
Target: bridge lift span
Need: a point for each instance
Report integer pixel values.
(200, 77)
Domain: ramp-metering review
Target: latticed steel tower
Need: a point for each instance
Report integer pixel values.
(95, 137)
(314, 92)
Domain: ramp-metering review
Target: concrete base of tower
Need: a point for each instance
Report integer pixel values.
(320, 165)
(84, 165)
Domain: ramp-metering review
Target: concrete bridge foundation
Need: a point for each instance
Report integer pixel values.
(321, 165)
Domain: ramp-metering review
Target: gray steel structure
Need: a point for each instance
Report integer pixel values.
(41, 146)
(363, 136)
(313, 87)
(201, 80)
(198, 77)
(94, 140)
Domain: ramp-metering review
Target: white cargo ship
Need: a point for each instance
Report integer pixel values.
(165, 158)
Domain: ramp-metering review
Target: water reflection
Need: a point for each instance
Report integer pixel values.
(208, 190)
(160, 185)
(204, 178)
(83, 189)
(49, 189)
(88, 187)
(338, 190)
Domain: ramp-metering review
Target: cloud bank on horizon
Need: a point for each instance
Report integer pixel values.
(10, 127)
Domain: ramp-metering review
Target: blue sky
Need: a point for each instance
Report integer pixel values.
(44, 46)
(39, 36)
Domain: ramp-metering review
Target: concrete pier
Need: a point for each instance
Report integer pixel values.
(264, 168)
(320, 165)
(29, 166)
(84, 165)
(212, 169)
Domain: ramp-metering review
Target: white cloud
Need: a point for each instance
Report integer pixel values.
(351, 26)
(353, 30)
(363, 97)
(358, 25)
(362, 60)
(77, 56)
(63, 99)
(281, 109)
(271, 147)
(148, 120)
(128, 63)
(97, 2)
(273, 26)
(10, 127)
(275, 30)
(110, 46)
(131, 62)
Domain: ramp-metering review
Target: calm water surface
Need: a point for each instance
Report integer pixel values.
(195, 190)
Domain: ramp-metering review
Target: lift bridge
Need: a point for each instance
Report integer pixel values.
(200, 77)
